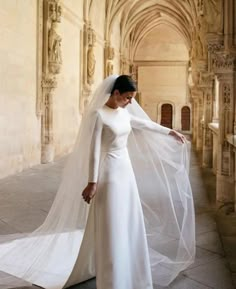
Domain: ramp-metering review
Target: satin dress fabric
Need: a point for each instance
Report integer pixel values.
(114, 246)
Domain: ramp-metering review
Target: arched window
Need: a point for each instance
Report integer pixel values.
(166, 115)
(185, 118)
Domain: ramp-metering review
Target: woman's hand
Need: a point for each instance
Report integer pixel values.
(178, 136)
(89, 192)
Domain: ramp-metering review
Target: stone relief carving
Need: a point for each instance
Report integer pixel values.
(110, 68)
(223, 62)
(206, 79)
(54, 50)
(227, 96)
(55, 11)
(108, 57)
(109, 53)
(52, 61)
(215, 47)
(213, 15)
(91, 61)
(200, 6)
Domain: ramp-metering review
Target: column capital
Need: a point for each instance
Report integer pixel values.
(223, 63)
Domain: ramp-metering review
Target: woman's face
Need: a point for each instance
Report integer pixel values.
(125, 98)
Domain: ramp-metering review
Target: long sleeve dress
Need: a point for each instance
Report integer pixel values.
(115, 238)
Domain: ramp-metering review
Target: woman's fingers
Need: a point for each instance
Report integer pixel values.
(87, 196)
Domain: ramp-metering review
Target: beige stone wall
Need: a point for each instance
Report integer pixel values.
(162, 59)
(19, 126)
(20, 137)
(67, 94)
(163, 84)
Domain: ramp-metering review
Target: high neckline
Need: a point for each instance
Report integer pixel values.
(114, 109)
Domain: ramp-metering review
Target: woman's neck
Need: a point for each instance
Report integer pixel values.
(111, 103)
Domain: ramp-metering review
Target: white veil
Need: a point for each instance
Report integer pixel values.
(46, 257)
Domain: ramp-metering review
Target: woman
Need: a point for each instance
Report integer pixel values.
(118, 213)
(140, 227)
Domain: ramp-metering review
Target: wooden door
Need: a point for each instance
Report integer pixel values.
(185, 118)
(166, 115)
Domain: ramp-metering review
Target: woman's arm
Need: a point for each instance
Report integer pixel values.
(146, 124)
(94, 158)
(140, 123)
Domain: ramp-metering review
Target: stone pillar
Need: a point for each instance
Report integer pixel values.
(224, 67)
(52, 62)
(47, 152)
(198, 67)
(207, 150)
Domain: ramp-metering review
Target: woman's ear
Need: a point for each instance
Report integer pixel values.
(116, 92)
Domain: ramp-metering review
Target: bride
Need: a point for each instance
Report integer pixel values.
(139, 227)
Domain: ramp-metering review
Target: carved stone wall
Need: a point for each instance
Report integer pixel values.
(52, 62)
(109, 54)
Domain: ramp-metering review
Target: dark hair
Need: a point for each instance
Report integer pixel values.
(124, 83)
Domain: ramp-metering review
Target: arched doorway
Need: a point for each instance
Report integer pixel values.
(185, 118)
(166, 115)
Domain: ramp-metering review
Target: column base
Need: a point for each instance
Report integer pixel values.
(47, 155)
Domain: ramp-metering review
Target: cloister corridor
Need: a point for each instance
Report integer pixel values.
(181, 57)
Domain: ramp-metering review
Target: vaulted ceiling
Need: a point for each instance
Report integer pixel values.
(139, 17)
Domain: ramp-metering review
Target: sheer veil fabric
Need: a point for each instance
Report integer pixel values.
(46, 257)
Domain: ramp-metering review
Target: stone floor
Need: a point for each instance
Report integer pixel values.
(25, 199)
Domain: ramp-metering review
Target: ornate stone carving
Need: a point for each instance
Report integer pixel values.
(215, 47)
(110, 68)
(52, 61)
(226, 96)
(54, 11)
(109, 53)
(206, 79)
(54, 50)
(91, 61)
(200, 6)
(49, 82)
(223, 62)
(213, 15)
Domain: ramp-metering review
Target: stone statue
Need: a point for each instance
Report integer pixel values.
(109, 68)
(213, 13)
(54, 45)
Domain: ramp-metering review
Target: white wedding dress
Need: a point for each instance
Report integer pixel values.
(139, 229)
(116, 219)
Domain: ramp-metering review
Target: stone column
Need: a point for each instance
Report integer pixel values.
(207, 150)
(224, 67)
(52, 62)
(198, 67)
(47, 152)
